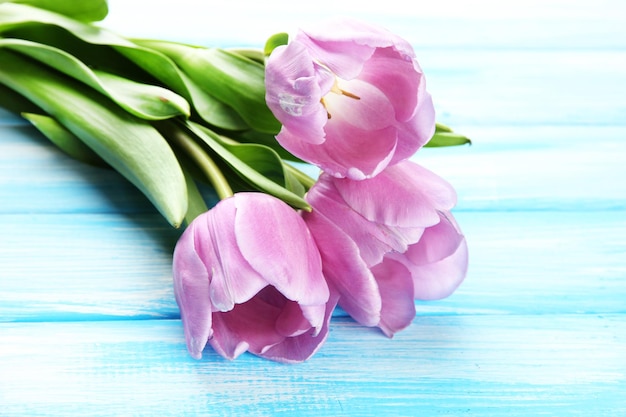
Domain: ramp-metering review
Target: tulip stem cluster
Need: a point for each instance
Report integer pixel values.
(202, 160)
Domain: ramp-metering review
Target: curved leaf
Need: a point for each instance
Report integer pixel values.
(275, 41)
(25, 18)
(83, 10)
(146, 101)
(130, 145)
(229, 76)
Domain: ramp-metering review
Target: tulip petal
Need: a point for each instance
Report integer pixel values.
(438, 262)
(345, 270)
(396, 290)
(440, 279)
(248, 326)
(277, 244)
(344, 44)
(295, 86)
(292, 322)
(412, 194)
(191, 289)
(229, 285)
(300, 348)
(396, 78)
(372, 110)
(348, 151)
(416, 132)
(373, 239)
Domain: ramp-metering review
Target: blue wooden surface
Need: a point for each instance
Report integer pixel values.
(88, 322)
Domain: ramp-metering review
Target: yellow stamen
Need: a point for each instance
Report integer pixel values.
(335, 89)
(324, 104)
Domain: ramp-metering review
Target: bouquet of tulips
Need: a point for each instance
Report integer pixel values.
(264, 268)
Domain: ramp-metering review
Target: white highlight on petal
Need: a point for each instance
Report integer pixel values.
(291, 105)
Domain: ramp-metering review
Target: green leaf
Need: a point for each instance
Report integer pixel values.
(130, 145)
(265, 161)
(64, 139)
(25, 19)
(245, 171)
(235, 80)
(83, 10)
(249, 53)
(267, 139)
(16, 103)
(441, 139)
(444, 136)
(275, 41)
(146, 101)
(440, 127)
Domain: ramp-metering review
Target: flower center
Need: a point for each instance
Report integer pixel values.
(335, 89)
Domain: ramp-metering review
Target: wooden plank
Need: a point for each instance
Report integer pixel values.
(83, 267)
(553, 365)
(68, 267)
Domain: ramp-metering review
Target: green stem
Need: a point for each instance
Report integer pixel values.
(199, 156)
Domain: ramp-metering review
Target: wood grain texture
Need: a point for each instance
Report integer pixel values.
(99, 266)
(465, 365)
(88, 321)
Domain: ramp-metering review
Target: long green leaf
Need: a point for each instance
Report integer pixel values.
(83, 10)
(64, 139)
(23, 18)
(146, 101)
(130, 145)
(229, 76)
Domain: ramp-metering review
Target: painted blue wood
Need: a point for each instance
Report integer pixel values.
(107, 266)
(89, 326)
(555, 365)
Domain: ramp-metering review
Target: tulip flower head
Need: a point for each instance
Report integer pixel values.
(351, 98)
(387, 240)
(248, 277)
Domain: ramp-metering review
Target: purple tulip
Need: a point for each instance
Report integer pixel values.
(387, 240)
(248, 277)
(351, 98)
